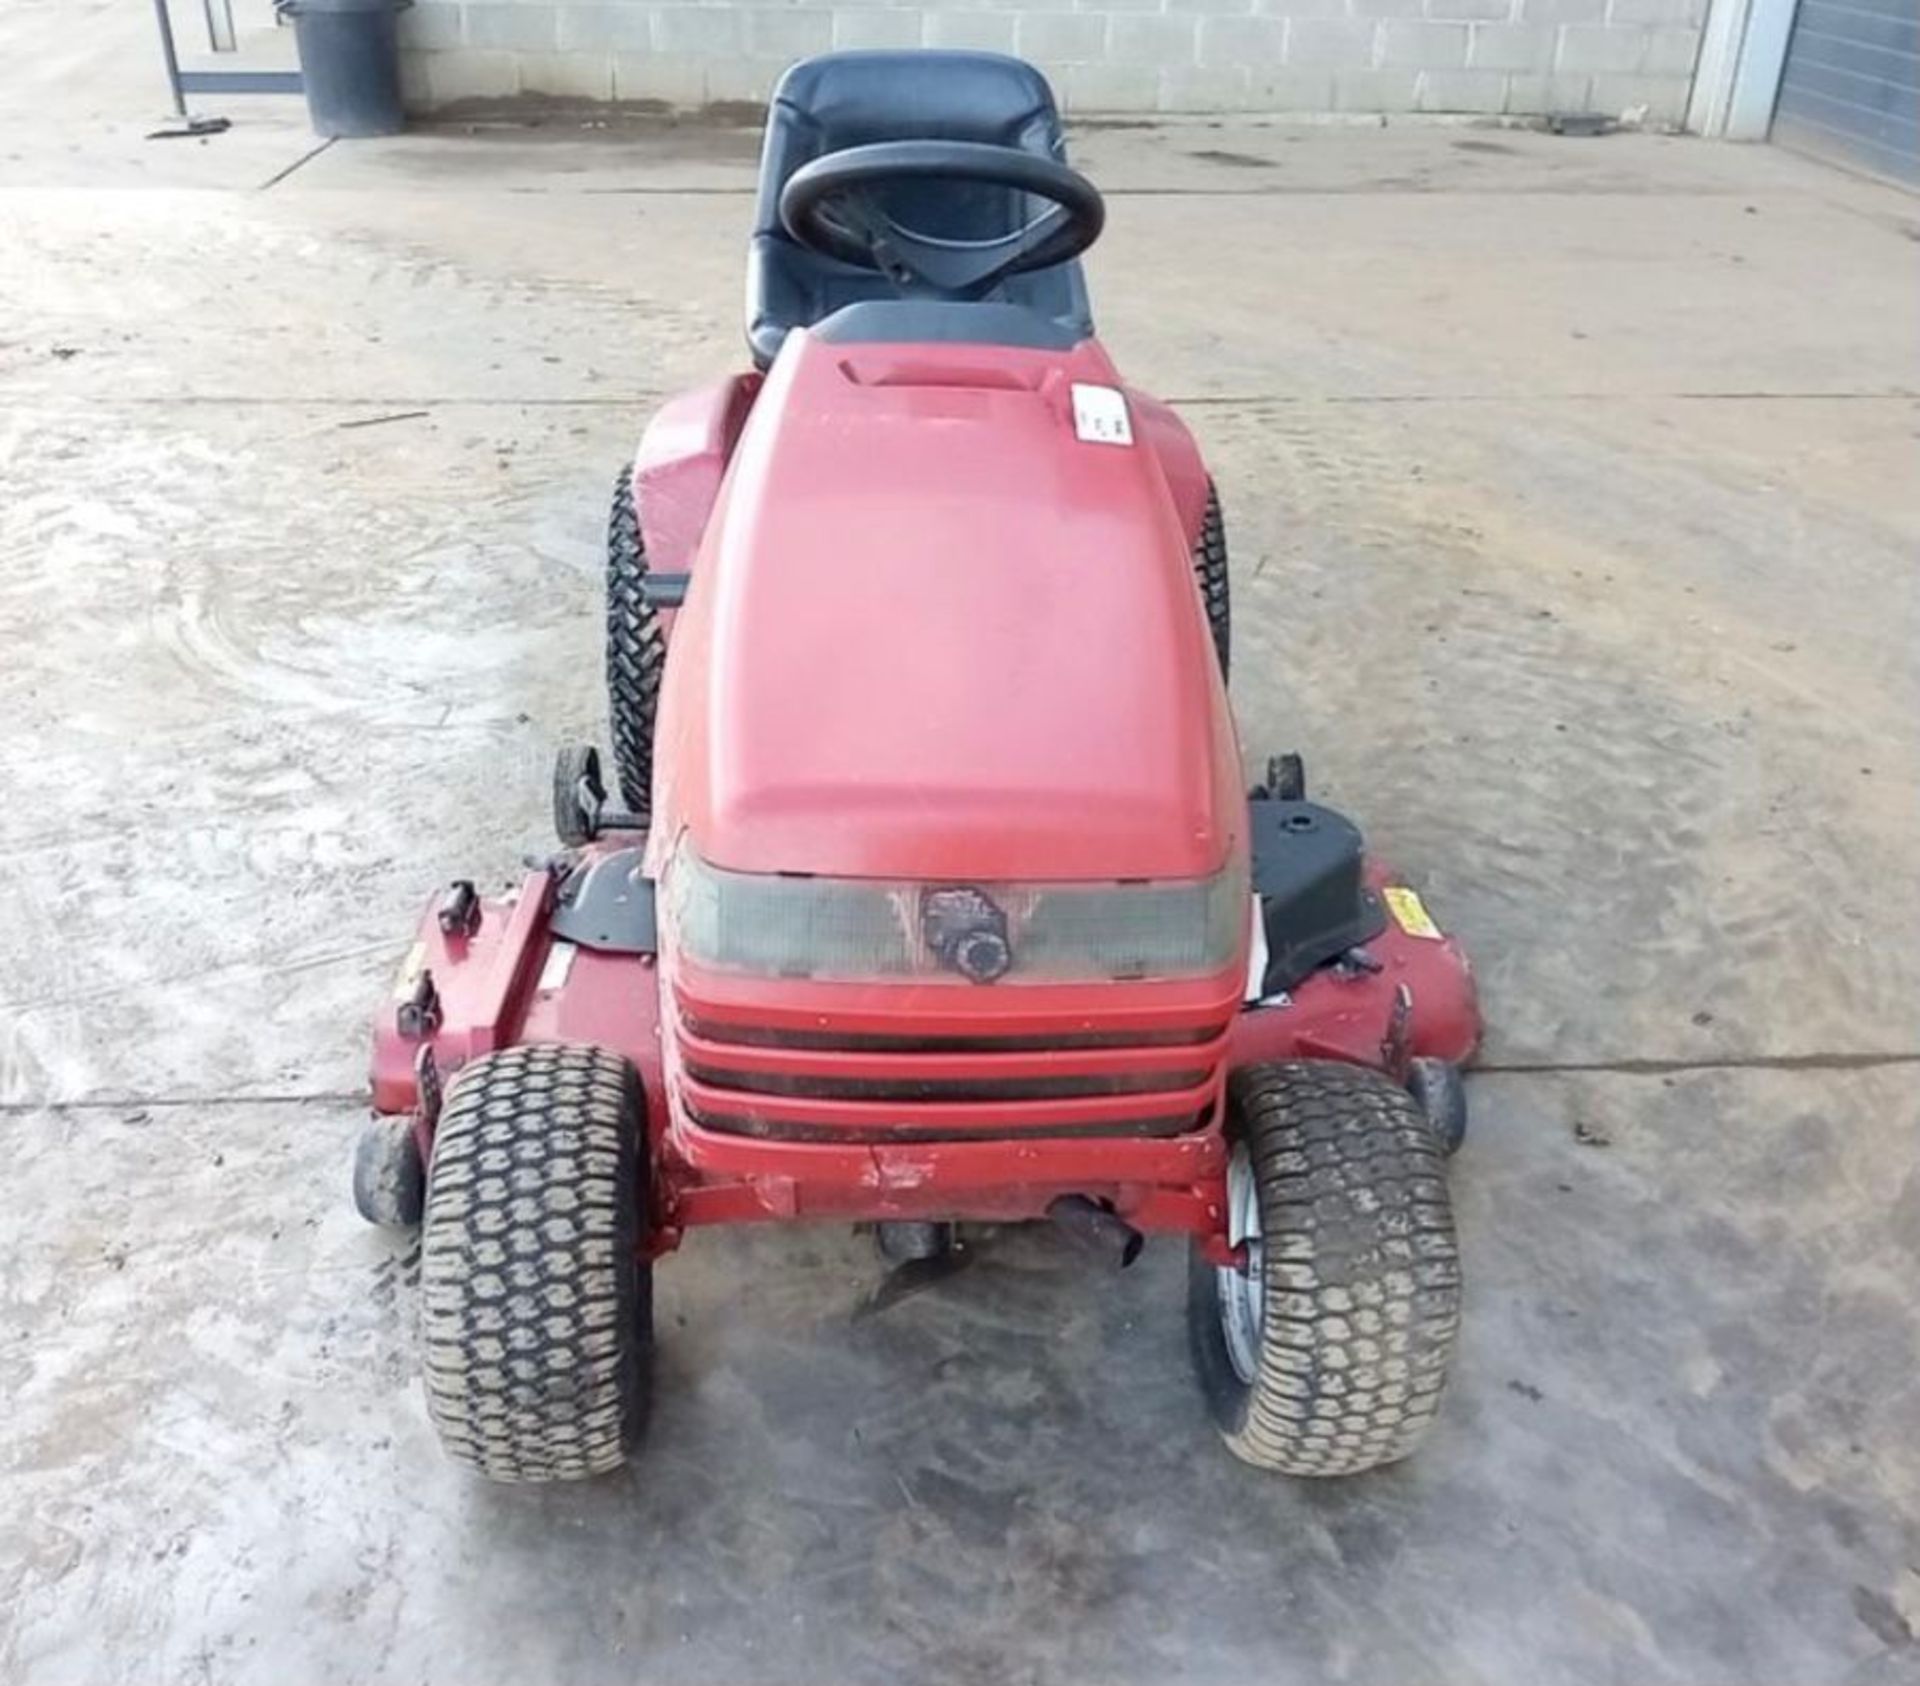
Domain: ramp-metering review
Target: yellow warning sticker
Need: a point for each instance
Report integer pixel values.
(1409, 911)
(410, 970)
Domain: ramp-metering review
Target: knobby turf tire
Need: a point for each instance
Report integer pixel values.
(636, 651)
(1210, 573)
(535, 1308)
(1361, 1289)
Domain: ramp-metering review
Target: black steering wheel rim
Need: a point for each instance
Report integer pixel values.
(966, 268)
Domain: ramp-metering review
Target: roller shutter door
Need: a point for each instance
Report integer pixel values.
(1850, 90)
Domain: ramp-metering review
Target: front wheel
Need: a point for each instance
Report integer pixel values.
(535, 1305)
(1328, 1353)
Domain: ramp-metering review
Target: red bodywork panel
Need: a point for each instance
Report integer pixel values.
(682, 459)
(510, 982)
(933, 634)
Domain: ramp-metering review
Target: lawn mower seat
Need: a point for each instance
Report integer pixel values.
(840, 100)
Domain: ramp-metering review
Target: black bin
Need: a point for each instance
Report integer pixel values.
(350, 63)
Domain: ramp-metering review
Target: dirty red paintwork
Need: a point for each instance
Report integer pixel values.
(492, 995)
(682, 459)
(930, 634)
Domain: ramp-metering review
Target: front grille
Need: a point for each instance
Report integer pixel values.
(823, 1085)
(945, 1088)
(870, 1135)
(867, 1042)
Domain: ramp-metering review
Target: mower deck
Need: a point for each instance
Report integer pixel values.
(498, 974)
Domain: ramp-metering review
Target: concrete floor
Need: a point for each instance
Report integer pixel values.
(1572, 490)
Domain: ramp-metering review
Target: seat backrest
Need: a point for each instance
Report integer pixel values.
(840, 100)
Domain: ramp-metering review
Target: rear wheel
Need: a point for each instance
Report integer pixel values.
(1210, 574)
(1327, 1355)
(535, 1307)
(636, 651)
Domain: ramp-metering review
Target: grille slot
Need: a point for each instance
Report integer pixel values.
(825, 1085)
(1133, 1129)
(862, 1042)
(947, 1089)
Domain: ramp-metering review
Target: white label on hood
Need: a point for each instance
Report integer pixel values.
(1100, 415)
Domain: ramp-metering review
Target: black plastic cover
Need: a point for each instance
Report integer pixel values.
(945, 322)
(1306, 872)
(608, 905)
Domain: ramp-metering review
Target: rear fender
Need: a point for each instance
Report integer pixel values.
(682, 459)
(1180, 459)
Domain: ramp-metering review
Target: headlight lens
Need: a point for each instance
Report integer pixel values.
(864, 928)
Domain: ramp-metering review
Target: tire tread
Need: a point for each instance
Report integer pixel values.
(636, 651)
(534, 1307)
(1361, 1267)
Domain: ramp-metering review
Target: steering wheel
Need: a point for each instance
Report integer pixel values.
(836, 206)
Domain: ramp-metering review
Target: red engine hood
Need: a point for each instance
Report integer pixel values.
(932, 633)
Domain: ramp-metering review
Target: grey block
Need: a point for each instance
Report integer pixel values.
(1246, 42)
(1592, 47)
(1331, 43)
(788, 32)
(1511, 46)
(576, 76)
(1110, 87)
(1671, 12)
(1290, 90)
(1664, 98)
(1472, 11)
(718, 31)
(1388, 8)
(1463, 90)
(989, 31)
(1051, 38)
(1422, 46)
(467, 75)
(513, 29)
(677, 79)
(431, 28)
(1140, 39)
(1540, 96)
(1211, 8)
(618, 29)
(1563, 11)
(878, 26)
(1375, 90)
(1672, 51)
(416, 91)
(1187, 87)
(743, 81)
(1300, 8)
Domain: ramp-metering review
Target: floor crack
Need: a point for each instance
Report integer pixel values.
(1671, 1067)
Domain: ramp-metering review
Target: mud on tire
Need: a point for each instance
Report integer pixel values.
(636, 651)
(1357, 1283)
(535, 1310)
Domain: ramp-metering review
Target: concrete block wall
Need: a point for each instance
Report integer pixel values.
(1630, 58)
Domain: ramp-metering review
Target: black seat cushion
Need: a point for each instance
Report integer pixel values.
(839, 100)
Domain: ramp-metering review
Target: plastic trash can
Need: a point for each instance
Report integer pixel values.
(350, 64)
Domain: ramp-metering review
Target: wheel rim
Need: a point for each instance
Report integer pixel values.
(1240, 1292)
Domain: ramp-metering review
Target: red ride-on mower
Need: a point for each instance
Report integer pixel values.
(932, 891)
